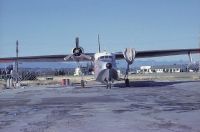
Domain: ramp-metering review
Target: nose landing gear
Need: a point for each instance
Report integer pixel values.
(108, 85)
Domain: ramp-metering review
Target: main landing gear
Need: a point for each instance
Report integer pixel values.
(129, 55)
(82, 83)
(127, 84)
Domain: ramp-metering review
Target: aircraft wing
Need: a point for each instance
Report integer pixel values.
(159, 53)
(42, 58)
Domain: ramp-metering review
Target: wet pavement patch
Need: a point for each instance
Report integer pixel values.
(179, 107)
(13, 102)
(78, 100)
(120, 111)
(5, 123)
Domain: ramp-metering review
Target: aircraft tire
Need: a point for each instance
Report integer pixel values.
(127, 84)
(82, 84)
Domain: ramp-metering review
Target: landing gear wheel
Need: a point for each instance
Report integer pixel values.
(127, 84)
(82, 84)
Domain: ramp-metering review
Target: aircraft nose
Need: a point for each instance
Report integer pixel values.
(108, 65)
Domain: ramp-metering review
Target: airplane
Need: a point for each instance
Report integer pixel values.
(105, 68)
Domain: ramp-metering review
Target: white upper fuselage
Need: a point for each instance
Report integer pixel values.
(101, 59)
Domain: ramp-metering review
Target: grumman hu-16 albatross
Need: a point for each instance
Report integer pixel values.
(105, 69)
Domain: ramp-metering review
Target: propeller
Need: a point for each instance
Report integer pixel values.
(77, 53)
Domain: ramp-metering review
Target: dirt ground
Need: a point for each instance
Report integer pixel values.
(146, 106)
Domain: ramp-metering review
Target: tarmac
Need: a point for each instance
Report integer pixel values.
(146, 106)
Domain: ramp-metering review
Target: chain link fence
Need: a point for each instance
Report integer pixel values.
(36, 76)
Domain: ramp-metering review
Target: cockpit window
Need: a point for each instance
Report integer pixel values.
(105, 57)
(102, 57)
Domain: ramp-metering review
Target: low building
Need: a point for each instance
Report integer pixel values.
(145, 69)
(169, 68)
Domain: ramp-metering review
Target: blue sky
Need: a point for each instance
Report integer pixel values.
(50, 26)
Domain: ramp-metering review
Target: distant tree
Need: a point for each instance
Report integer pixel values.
(61, 72)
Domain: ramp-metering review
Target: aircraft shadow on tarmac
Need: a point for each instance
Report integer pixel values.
(134, 84)
(150, 84)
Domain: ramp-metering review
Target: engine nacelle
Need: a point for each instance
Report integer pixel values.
(77, 51)
(129, 55)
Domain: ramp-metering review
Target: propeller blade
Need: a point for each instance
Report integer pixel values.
(68, 57)
(99, 44)
(78, 58)
(77, 42)
(83, 56)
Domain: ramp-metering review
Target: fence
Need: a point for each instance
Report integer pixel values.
(37, 76)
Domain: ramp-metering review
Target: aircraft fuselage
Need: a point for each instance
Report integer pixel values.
(105, 68)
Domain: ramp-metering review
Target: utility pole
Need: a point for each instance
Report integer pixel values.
(16, 62)
(199, 53)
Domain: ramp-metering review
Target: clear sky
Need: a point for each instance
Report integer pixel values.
(50, 26)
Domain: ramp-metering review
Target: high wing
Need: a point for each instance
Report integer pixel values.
(77, 55)
(42, 58)
(159, 53)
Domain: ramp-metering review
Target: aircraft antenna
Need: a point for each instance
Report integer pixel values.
(99, 44)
